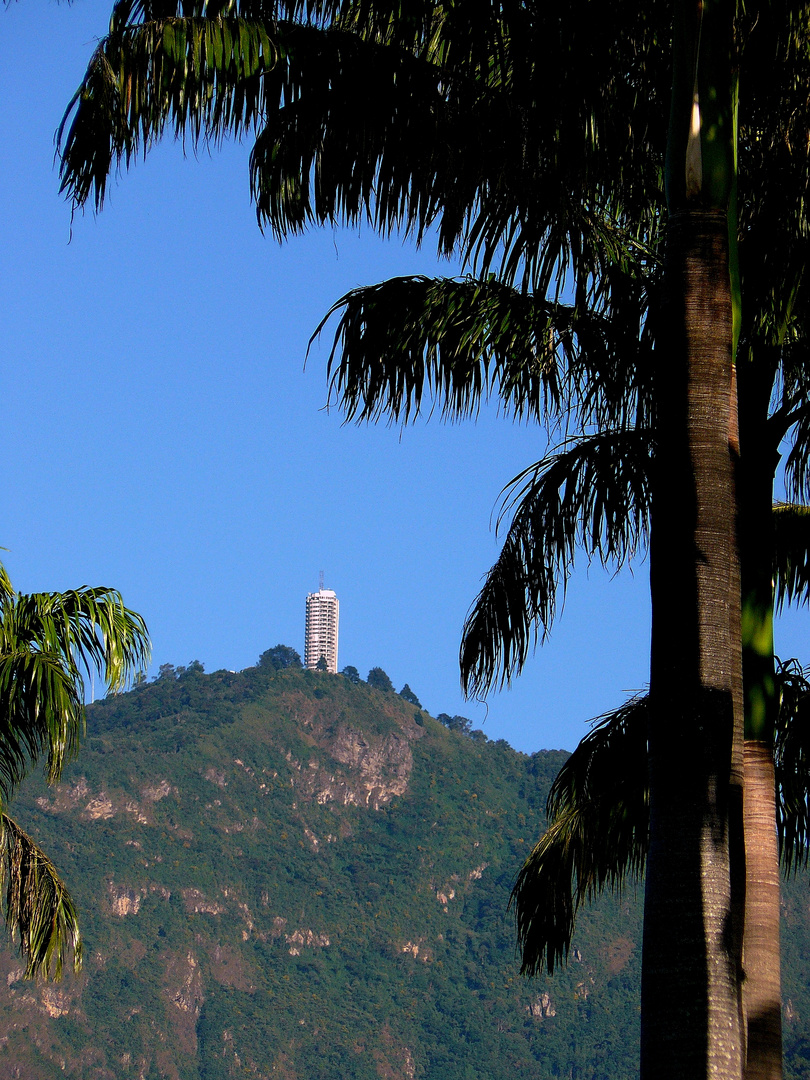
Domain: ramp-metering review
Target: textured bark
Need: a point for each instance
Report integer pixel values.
(762, 994)
(691, 1007)
(761, 961)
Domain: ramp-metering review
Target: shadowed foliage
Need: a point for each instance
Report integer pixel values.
(598, 814)
(593, 495)
(406, 122)
(597, 835)
(792, 766)
(791, 554)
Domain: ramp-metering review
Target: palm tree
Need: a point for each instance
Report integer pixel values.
(48, 642)
(772, 350)
(484, 128)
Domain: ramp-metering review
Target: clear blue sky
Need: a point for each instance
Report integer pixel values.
(161, 435)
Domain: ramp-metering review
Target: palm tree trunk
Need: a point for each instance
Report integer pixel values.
(691, 1011)
(762, 992)
(691, 1007)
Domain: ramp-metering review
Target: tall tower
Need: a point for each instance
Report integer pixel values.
(321, 637)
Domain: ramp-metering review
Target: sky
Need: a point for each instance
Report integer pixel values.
(163, 435)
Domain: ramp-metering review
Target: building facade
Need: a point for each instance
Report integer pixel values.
(321, 636)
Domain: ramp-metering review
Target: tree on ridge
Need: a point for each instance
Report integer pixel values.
(378, 679)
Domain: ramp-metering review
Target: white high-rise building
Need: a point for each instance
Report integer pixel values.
(321, 637)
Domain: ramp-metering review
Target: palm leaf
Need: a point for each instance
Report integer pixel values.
(774, 181)
(797, 466)
(202, 76)
(39, 913)
(420, 137)
(94, 628)
(598, 833)
(791, 554)
(792, 766)
(457, 342)
(48, 641)
(41, 715)
(593, 495)
(6, 589)
(453, 341)
(404, 119)
(598, 813)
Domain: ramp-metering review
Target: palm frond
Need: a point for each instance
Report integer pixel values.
(7, 593)
(94, 628)
(774, 181)
(612, 376)
(402, 118)
(793, 390)
(597, 836)
(48, 641)
(402, 142)
(791, 571)
(797, 466)
(594, 495)
(201, 76)
(792, 766)
(38, 910)
(41, 715)
(598, 815)
(456, 342)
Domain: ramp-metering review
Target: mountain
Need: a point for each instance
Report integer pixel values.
(283, 874)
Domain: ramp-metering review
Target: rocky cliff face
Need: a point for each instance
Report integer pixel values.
(296, 877)
(355, 768)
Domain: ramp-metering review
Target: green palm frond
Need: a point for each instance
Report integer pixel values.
(456, 342)
(598, 835)
(797, 466)
(48, 642)
(593, 495)
(41, 715)
(200, 76)
(38, 910)
(791, 573)
(95, 628)
(453, 341)
(792, 766)
(403, 119)
(7, 593)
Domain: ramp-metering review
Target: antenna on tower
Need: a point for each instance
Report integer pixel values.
(320, 581)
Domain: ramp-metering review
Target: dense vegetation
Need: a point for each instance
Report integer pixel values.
(285, 873)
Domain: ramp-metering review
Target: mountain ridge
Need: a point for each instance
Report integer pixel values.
(286, 874)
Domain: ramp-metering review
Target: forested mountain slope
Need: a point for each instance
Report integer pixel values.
(288, 875)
